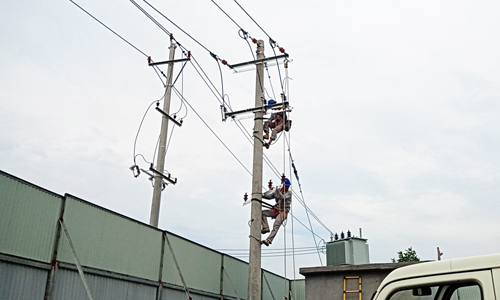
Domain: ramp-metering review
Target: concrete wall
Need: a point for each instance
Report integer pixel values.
(328, 282)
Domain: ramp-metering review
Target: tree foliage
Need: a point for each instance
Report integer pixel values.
(408, 255)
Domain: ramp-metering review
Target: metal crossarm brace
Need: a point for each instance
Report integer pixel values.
(167, 178)
(146, 172)
(261, 108)
(168, 61)
(258, 61)
(170, 118)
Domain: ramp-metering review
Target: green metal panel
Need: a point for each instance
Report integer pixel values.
(275, 288)
(298, 288)
(235, 279)
(199, 266)
(28, 219)
(336, 253)
(108, 241)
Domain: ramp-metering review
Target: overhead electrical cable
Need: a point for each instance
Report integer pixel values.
(150, 17)
(228, 16)
(207, 78)
(268, 162)
(266, 159)
(213, 132)
(108, 28)
(140, 126)
(122, 38)
(178, 27)
(252, 19)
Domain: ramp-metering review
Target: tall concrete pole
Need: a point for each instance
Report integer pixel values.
(254, 259)
(160, 162)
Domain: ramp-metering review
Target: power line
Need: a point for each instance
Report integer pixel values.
(253, 20)
(266, 159)
(178, 27)
(108, 28)
(213, 132)
(268, 162)
(140, 125)
(122, 38)
(205, 78)
(229, 16)
(150, 17)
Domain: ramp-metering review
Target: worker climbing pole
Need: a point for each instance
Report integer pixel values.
(283, 196)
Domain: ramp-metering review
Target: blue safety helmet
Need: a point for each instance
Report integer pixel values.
(271, 102)
(287, 182)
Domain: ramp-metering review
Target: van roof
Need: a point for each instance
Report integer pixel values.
(443, 266)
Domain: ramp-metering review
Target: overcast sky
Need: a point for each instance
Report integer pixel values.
(396, 112)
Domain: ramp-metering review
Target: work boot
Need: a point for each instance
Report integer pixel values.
(266, 136)
(266, 242)
(265, 230)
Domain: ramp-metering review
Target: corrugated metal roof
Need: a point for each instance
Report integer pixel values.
(28, 219)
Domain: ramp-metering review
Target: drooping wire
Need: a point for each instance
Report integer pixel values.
(270, 82)
(218, 96)
(221, 79)
(266, 159)
(273, 44)
(140, 126)
(246, 134)
(169, 139)
(140, 155)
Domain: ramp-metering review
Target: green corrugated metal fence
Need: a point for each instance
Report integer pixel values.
(114, 244)
(28, 219)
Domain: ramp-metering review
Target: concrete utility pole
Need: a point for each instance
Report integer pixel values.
(254, 260)
(160, 162)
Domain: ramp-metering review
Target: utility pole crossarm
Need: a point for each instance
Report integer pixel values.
(257, 61)
(169, 117)
(150, 63)
(261, 108)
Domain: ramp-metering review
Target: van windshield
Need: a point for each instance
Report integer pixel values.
(440, 292)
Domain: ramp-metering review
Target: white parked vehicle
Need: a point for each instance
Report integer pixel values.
(472, 278)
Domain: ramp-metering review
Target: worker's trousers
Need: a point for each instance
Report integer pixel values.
(274, 131)
(268, 213)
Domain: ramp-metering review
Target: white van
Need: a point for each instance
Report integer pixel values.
(472, 278)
